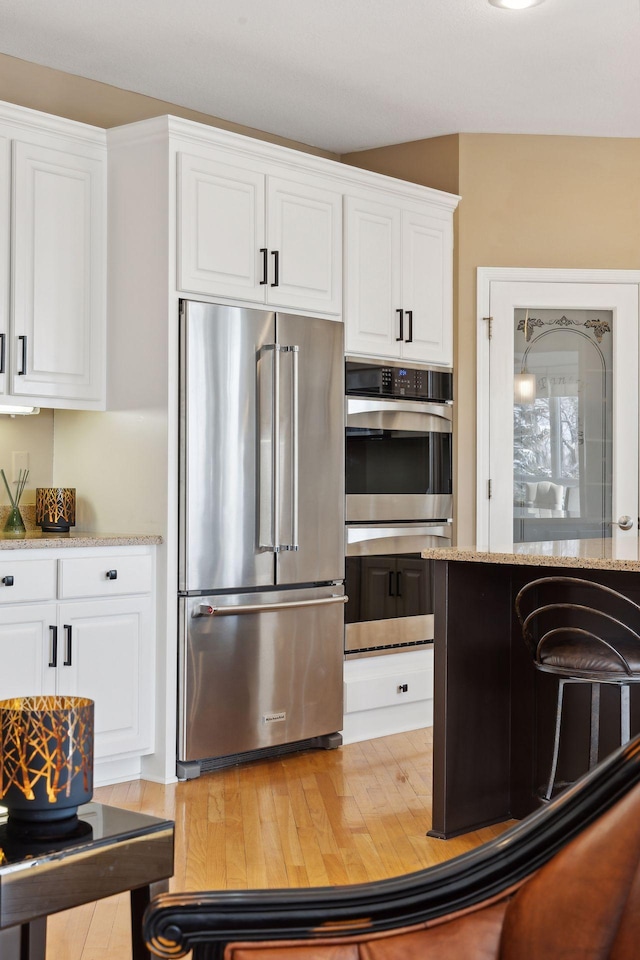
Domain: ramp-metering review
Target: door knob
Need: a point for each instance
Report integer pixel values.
(624, 522)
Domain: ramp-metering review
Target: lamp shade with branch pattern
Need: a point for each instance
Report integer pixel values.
(56, 508)
(46, 757)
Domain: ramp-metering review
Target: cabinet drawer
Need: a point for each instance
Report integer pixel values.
(367, 693)
(22, 580)
(104, 576)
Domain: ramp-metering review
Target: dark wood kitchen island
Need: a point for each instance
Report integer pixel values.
(493, 713)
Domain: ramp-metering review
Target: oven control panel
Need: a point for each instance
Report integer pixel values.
(374, 380)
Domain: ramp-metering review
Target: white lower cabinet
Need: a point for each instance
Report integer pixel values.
(388, 694)
(103, 654)
(100, 647)
(26, 648)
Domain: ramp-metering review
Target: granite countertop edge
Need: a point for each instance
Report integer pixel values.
(39, 540)
(551, 554)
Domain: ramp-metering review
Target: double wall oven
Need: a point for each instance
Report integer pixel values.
(399, 500)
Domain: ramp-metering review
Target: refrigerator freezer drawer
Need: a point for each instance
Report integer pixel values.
(250, 680)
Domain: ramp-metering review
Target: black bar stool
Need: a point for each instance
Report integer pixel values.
(582, 632)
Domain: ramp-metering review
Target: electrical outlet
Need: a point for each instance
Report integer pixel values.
(19, 461)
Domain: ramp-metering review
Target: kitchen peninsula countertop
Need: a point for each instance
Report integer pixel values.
(609, 554)
(39, 540)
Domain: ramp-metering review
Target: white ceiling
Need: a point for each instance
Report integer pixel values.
(350, 74)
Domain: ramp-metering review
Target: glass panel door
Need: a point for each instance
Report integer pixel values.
(562, 424)
(561, 428)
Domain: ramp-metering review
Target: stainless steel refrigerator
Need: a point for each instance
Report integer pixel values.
(261, 564)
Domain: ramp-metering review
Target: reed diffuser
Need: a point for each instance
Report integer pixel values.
(15, 524)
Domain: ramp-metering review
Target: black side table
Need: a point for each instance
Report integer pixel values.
(109, 851)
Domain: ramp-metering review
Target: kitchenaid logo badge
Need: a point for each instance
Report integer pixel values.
(274, 717)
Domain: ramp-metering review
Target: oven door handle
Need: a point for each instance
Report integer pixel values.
(360, 533)
(360, 405)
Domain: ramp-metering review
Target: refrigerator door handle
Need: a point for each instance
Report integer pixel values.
(269, 457)
(295, 490)
(206, 610)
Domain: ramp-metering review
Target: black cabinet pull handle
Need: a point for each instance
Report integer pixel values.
(399, 584)
(23, 362)
(67, 630)
(410, 337)
(265, 265)
(8, 580)
(112, 574)
(54, 646)
(3, 346)
(391, 593)
(276, 267)
(401, 312)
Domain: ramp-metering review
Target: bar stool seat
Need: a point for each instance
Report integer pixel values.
(591, 657)
(582, 632)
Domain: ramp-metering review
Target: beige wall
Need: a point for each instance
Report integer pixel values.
(433, 163)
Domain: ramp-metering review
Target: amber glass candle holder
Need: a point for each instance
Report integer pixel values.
(46, 759)
(55, 508)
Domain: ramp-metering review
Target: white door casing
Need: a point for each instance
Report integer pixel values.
(499, 292)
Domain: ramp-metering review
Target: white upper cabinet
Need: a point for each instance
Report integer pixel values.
(247, 235)
(58, 325)
(5, 257)
(398, 280)
(221, 217)
(304, 233)
(53, 233)
(427, 288)
(373, 277)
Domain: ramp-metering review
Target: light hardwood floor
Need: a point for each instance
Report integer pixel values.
(311, 819)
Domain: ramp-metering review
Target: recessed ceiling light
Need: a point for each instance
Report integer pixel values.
(515, 4)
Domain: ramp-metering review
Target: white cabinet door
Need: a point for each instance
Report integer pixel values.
(427, 288)
(372, 271)
(106, 653)
(221, 211)
(58, 341)
(304, 242)
(28, 650)
(5, 222)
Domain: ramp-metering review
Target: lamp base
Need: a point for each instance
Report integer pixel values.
(18, 832)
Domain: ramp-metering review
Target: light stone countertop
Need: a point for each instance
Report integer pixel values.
(38, 540)
(618, 553)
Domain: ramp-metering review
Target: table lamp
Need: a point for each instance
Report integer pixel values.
(56, 508)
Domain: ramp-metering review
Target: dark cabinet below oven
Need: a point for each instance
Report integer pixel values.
(390, 602)
(383, 587)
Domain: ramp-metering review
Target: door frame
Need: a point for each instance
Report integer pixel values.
(485, 277)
